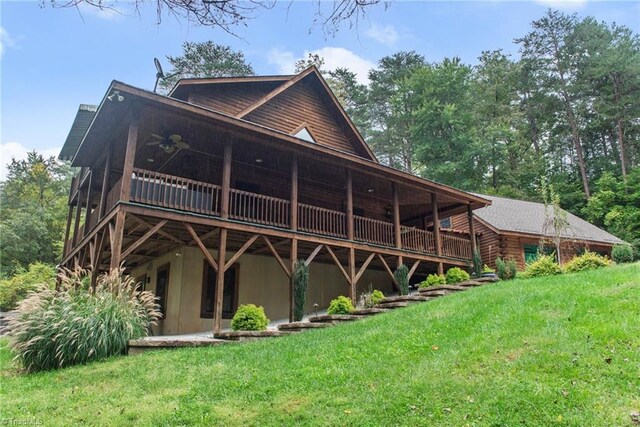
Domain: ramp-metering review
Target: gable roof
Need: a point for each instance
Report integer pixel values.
(287, 82)
(520, 216)
(81, 123)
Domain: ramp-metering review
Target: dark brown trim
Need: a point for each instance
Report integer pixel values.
(205, 278)
(163, 298)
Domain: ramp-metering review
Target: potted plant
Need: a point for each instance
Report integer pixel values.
(488, 272)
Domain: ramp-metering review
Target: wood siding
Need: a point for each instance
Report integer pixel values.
(230, 98)
(488, 240)
(302, 104)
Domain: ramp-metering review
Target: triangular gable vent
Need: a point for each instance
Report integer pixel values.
(305, 134)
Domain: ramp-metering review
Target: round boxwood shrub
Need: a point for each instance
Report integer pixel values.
(376, 297)
(68, 326)
(545, 265)
(433, 280)
(622, 253)
(249, 317)
(340, 305)
(586, 261)
(456, 275)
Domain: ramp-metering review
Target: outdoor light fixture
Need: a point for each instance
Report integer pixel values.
(315, 308)
(370, 190)
(150, 160)
(115, 96)
(258, 160)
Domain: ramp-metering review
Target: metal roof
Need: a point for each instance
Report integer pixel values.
(84, 117)
(520, 216)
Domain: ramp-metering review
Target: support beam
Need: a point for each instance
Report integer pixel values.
(222, 255)
(67, 233)
(294, 194)
(206, 236)
(436, 230)
(472, 230)
(240, 251)
(87, 209)
(160, 232)
(226, 181)
(313, 254)
(364, 266)
(76, 225)
(277, 256)
(106, 180)
(116, 240)
(338, 263)
(129, 155)
(293, 256)
(349, 217)
(204, 250)
(352, 275)
(143, 239)
(386, 267)
(413, 268)
(396, 216)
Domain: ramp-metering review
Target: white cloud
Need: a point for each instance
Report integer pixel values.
(563, 4)
(6, 41)
(386, 35)
(283, 59)
(15, 150)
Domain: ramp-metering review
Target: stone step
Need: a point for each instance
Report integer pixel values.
(487, 279)
(405, 298)
(327, 318)
(301, 326)
(250, 335)
(471, 284)
(435, 293)
(146, 344)
(398, 304)
(369, 311)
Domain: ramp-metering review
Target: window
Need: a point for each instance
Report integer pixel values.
(141, 283)
(305, 134)
(531, 252)
(229, 294)
(162, 287)
(445, 222)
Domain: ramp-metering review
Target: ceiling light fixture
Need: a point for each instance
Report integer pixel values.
(370, 190)
(258, 160)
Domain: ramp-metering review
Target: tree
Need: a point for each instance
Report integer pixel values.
(205, 59)
(547, 51)
(228, 14)
(34, 207)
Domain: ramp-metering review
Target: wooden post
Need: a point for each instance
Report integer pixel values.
(67, 233)
(129, 156)
(222, 255)
(226, 181)
(76, 225)
(294, 227)
(87, 213)
(352, 275)
(472, 230)
(436, 230)
(350, 233)
(396, 220)
(117, 232)
(294, 258)
(106, 179)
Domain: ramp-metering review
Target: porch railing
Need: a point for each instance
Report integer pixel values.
(158, 189)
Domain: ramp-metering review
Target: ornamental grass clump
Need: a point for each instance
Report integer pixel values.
(586, 261)
(72, 325)
(249, 317)
(370, 298)
(340, 305)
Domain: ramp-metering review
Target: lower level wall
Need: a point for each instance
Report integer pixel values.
(261, 281)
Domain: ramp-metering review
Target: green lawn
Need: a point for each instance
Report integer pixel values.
(550, 351)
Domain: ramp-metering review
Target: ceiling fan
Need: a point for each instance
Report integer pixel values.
(170, 143)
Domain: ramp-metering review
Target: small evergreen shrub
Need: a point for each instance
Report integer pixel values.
(586, 261)
(70, 326)
(300, 283)
(622, 253)
(506, 270)
(340, 305)
(477, 263)
(456, 275)
(402, 279)
(545, 265)
(16, 288)
(249, 317)
(433, 280)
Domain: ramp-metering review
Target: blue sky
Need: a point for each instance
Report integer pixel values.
(51, 60)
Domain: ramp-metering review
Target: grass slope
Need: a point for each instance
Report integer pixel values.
(550, 351)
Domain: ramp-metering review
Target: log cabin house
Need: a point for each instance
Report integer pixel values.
(517, 229)
(210, 194)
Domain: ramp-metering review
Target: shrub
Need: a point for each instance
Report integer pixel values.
(506, 270)
(249, 317)
(487, 269)
(545, 265)
(402, 279)
(477, 263)
(622, 253)
(70, 326)
(456, 275)
(16, 288)
(340, 305)
(371, 298)
(586, 261)
(433, 280)
(300, 282)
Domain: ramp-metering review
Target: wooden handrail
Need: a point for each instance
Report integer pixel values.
(314, 219)
(258, 208)
(456, 247)
(373, 231)
(418, 240)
